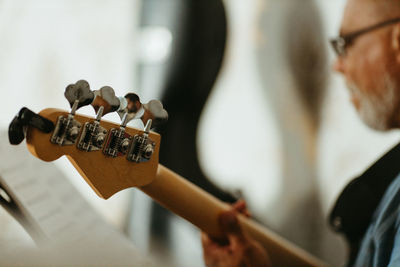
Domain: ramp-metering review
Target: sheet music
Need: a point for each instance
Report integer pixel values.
(60, 214)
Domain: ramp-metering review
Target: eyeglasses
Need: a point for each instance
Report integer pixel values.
(341, 43)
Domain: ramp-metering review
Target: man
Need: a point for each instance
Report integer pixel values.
(368, 210)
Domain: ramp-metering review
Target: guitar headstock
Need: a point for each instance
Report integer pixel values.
(108, 155)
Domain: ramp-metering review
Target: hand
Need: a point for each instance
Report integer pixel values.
(238, 249)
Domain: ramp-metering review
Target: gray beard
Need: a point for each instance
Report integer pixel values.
(377, 110)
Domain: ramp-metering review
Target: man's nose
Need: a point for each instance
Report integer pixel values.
(338, 65)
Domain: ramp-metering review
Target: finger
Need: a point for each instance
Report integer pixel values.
(210, 251)
(213, 242)
(241, 207)
(205, 240)
(229, 224)
(213, 252)
(257, 256)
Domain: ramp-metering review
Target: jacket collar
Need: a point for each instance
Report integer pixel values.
(355, 206)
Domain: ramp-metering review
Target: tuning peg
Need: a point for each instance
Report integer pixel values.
(105, 97)
(67, 128)
(155, 111)
(25, 117)
(79, 92)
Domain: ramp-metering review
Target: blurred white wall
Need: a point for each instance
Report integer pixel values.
(46, 45)
(238, 140)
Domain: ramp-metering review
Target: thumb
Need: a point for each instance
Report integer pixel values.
(229, 223)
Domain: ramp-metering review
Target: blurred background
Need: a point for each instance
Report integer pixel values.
(255, 111)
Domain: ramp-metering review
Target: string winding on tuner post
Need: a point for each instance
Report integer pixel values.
(93, 135)
(67, 128)
(118, 140)
(142, 147)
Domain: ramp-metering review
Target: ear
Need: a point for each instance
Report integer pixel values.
(396, 41)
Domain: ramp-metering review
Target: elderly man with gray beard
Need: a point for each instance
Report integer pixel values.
(368, 210)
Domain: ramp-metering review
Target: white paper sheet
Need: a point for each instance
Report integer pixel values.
(74, 232)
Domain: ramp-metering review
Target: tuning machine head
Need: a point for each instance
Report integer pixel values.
(93, 135)
(105, 97)
(67, 128)
(78, 95)
(154, 111)
(142, 147)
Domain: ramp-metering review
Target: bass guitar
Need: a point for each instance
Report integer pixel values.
(112, 157)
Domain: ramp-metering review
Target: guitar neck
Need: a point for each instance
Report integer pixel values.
(202, 209)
